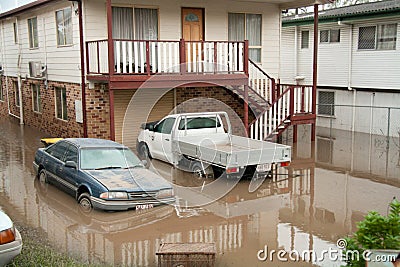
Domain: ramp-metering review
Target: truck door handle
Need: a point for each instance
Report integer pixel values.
(166, 139)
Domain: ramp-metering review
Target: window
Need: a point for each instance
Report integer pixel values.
(165, 126)
(242, 27)
(199, 123)
(146, 23)
(33, 33)
(61, 103)
(329, 36)
(305, 36)
(58, 150)
(16, 90)
(64, 26)
(72, 154)
(36, 105)
(1, 90)
(380, 37)
(326, 103)
(15, 33)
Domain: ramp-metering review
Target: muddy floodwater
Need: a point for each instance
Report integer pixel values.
(330, 185)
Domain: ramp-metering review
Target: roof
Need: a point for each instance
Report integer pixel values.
(93, 142)
(23, 8)
(371, 9)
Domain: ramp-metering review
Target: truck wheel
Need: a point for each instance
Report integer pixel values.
(84, 202)
(197, 170)
(144, 151)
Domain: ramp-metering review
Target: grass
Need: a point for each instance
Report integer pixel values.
(37, 251)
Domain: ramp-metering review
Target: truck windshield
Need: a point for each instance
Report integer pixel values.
(103, 158)
(199, 123)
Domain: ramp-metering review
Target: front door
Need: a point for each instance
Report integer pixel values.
(192, 30)
(192, 24)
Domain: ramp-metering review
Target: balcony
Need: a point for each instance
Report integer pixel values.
(135, 61)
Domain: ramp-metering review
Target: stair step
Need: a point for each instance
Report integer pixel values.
(281, 127)
(286, 121)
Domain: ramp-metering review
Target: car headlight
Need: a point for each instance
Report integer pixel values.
(163, 193)
(114, 195)
(7, 236)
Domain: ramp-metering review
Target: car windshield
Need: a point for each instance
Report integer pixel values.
(108, 158)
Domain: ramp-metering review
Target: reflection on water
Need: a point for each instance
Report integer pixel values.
(305, 207)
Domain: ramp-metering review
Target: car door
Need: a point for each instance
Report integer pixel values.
(160, 141)
(53, 162)
(68, 174)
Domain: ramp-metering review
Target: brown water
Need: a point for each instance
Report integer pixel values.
(308, 206)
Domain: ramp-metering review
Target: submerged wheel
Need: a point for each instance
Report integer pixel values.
(197, 170)
(144, 151)
(84, 202)
(43, 176)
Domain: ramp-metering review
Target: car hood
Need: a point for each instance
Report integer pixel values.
(134, 179)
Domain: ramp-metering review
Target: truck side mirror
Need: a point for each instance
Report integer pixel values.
(151, 127)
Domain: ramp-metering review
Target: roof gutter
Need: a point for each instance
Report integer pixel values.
(23, 8)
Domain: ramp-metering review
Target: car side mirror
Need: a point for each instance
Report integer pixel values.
(71, 164)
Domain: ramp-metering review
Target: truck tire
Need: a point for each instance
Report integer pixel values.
(197, 170)
(144, 151)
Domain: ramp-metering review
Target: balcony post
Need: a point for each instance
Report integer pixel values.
(246, 109)
(315, 66)
(182, 56)
(246, 57)
(109, 39)
(215, 57)
(148, 58)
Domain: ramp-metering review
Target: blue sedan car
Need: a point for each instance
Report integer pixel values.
(101, 174)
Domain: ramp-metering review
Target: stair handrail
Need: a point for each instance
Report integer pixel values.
(273, 103)
(261, 70)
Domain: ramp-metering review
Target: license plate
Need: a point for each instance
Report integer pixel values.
(144, 206)
(264, 167)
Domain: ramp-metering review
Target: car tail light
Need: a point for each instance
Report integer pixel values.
(232, 170)
(7, 236)
(285, 164)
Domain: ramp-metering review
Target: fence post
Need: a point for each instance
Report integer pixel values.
(148, 58)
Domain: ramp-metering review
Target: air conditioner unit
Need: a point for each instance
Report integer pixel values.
(36, 69)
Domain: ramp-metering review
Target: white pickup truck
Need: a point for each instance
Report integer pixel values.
(203, 143)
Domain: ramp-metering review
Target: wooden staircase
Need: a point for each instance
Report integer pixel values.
(282, 105)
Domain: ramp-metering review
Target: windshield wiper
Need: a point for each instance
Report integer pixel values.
(108, 168)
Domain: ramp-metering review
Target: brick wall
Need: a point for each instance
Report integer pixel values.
(98, 112)
(206, 99)
(46, 121)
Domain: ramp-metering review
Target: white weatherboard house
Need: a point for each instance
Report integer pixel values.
(71, 67)
(358, 64)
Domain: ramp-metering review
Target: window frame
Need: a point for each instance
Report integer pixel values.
(302, 44)
(16, 94)
(1, 90)
(15, 28)
(63, 103)
(36, 97)
(329, 36)
(64, 28)
(258, 47)
(325, 106)
(376, 35)
(32, 37)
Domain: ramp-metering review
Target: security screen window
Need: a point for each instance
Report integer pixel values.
(64, 26)
(243, 26)
(379, 37)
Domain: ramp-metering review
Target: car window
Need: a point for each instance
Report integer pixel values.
(199, 123)
(165, 126)
(58, 150)
(72, 154)
(98, 158)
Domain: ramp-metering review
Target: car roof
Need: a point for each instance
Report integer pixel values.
(93, 142)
